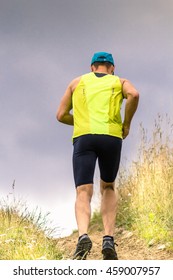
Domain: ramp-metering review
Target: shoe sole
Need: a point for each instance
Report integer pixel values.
(109, 254)
(86, 245)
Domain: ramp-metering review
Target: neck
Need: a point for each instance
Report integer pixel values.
(103, 69)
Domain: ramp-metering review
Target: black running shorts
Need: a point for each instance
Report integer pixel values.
(87, 149)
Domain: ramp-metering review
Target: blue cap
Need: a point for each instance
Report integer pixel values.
(102, 57)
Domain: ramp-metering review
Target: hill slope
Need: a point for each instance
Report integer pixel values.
(130, 247)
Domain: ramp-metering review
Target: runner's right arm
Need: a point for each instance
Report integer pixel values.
(132, 96)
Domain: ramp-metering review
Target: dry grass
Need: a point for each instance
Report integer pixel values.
(146, 191)
(24, 235)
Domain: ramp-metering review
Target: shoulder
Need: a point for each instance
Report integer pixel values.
(128, 88)
(123, 80)
(126, 82)
(73, 84)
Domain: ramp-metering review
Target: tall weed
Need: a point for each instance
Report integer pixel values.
(146, 191)
(24, 235)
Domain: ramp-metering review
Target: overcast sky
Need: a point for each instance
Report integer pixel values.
(44, 44)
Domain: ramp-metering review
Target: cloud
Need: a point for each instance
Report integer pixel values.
(44, 45)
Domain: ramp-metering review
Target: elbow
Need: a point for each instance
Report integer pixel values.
(136, 95)
(133, 95)
(59, 116)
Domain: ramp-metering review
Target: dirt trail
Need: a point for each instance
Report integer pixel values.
(129, 247)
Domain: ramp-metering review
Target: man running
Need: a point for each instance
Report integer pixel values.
(96, 99)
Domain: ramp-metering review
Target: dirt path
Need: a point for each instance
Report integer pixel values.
(129, 247)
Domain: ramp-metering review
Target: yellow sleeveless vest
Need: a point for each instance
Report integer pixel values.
(96, 105)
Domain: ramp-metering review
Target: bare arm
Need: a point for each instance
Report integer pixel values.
(63, 113)
(132, 96)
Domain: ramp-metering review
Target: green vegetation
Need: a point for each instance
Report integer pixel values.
(24, 235)
(96, 222)
(146, 189)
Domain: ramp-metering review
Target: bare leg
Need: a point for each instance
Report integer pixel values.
(108, 206)
(82, 207)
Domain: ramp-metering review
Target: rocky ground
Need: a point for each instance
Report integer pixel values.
(130, 247)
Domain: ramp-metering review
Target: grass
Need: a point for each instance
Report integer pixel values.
(146, 190)
(24, 235)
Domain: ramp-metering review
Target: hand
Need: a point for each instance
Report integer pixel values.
(126, 129)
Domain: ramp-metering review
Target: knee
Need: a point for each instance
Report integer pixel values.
(85, 191)
(107, 187)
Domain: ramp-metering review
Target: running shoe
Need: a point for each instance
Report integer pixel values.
(83, 248)
(108, 249)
